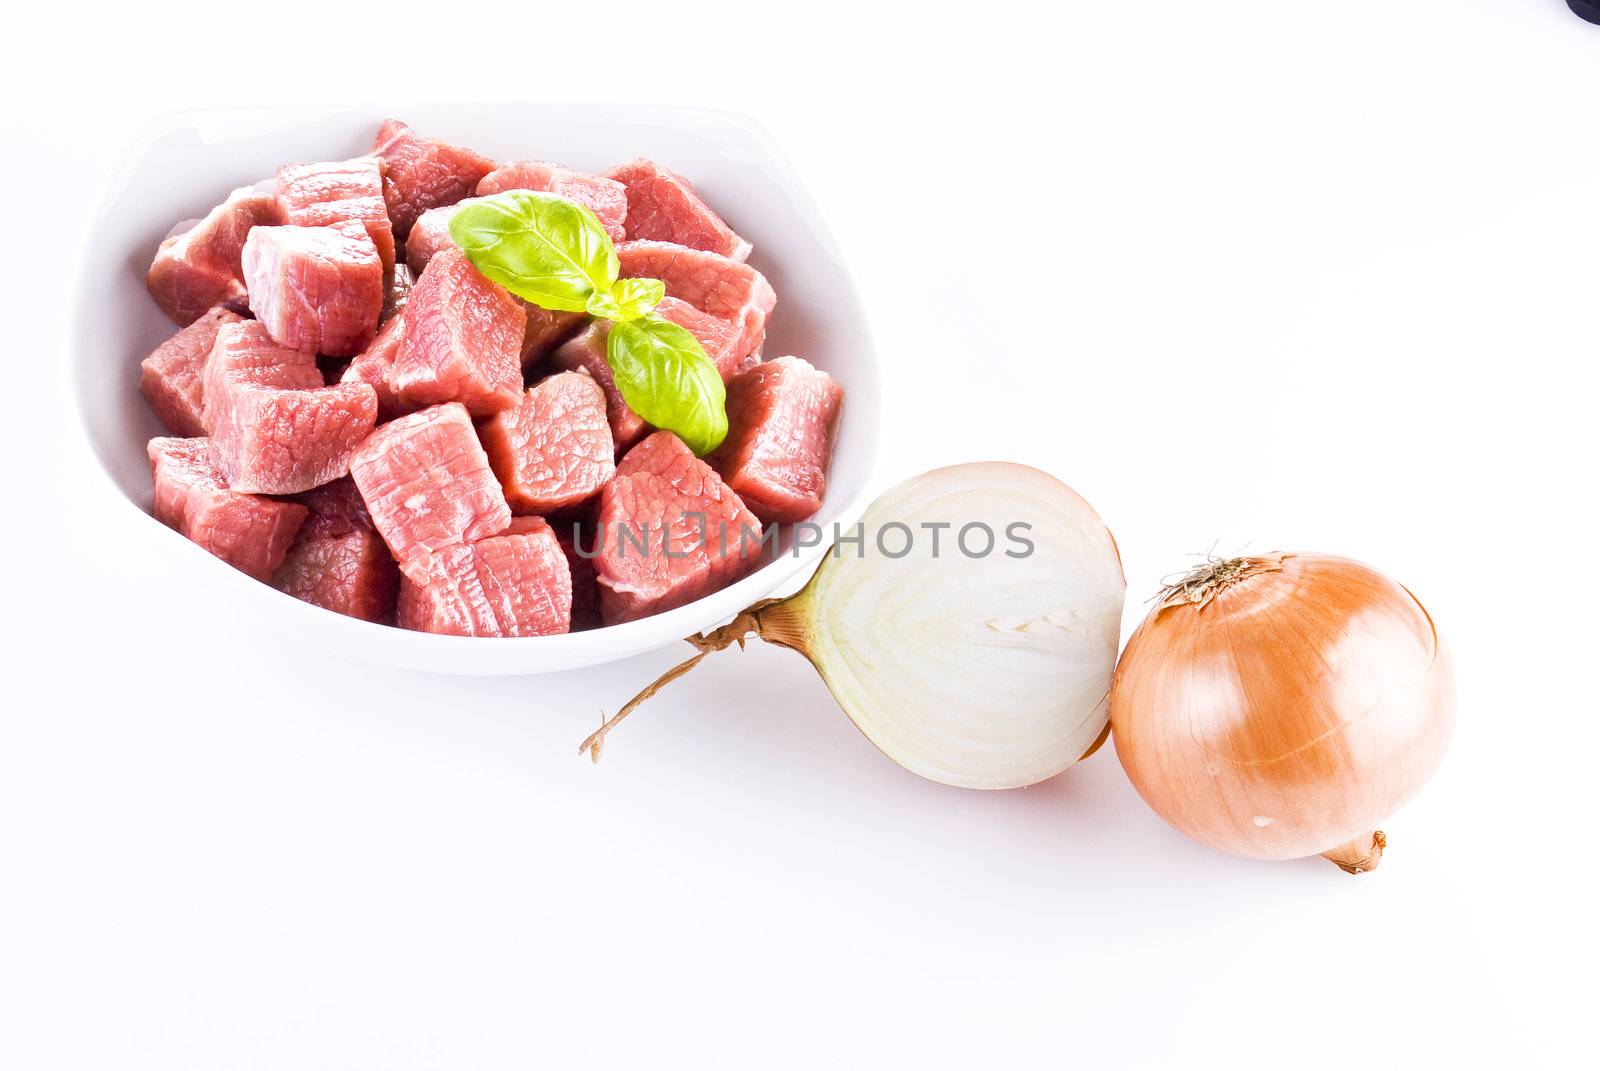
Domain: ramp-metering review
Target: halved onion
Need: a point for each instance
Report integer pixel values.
(970, 634)
(1282, 706)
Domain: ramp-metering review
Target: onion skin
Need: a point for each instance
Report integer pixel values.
(1284, 710)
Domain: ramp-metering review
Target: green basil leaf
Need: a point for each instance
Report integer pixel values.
(543, 248)
(635, 297)
(666, 377)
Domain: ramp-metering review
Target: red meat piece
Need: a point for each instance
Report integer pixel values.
(514, 584)
(198, 265)
(339, 561)
(697, 536)
(373, 364)
(192, 496)
(275, 428)
(318, 289)
(171, 376)
(462, 340)
(605, 197)
(781, 417)
(713, 284)
(320, 195)
(422, 173)
(663, 206)
(428, 485)
(553, 449)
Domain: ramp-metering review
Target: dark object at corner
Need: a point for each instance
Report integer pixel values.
(1588, 10)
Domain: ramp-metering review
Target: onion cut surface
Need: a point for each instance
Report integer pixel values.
(979, 671)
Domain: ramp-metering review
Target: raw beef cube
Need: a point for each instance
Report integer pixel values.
(278, 442)
(578, 544)
(725, 288)
(462, 340)
(605, 197)
(350, 574)
(697, 536)
(428, 485)
(553, 449)
(244, 355)
(275, 428)
(372, 366)
(430, 234)
(319, 195)
(781, 416)
(318, 289)
(339, 561)
(664, 207)
(422, 173)
(515, 584)
(171, 376)
(198, 266)
(250, 533)
(720, 338)
(337, 508)
(587, 353)
(545, 329)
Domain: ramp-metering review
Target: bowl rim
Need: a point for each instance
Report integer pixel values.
(562, 651)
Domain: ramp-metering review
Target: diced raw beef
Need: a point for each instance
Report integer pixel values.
(514, 584)
(319, 195)
(337, 508)
(423, 173)
(171, 376)
(733, 291)
(275, 428)
(544, 329)
(462, 340)
(605, 197)
(781, 416)
(428, 485)
(585, 582)
(430, 234)
(553, 449)
(696, 533)
(720, 338)
(350, 574)
(282, 441)
(198, 266)
(250, 533)
(243, 354)
(373, 364)
(587, 353)
(318, 289)
(664, 207)
(339, 561)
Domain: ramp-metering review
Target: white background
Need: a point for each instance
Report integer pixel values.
(1260, 274)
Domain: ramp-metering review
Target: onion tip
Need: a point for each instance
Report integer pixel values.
(1360, 855)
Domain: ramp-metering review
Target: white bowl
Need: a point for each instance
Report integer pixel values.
(189, 161)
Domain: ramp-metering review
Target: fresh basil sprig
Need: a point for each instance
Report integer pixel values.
(555, 254)
(543, 248)
(666, 377)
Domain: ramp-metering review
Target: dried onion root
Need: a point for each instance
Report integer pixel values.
(1282, 706)
(979, 670)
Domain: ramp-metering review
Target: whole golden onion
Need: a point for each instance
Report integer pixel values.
(1282, 706)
